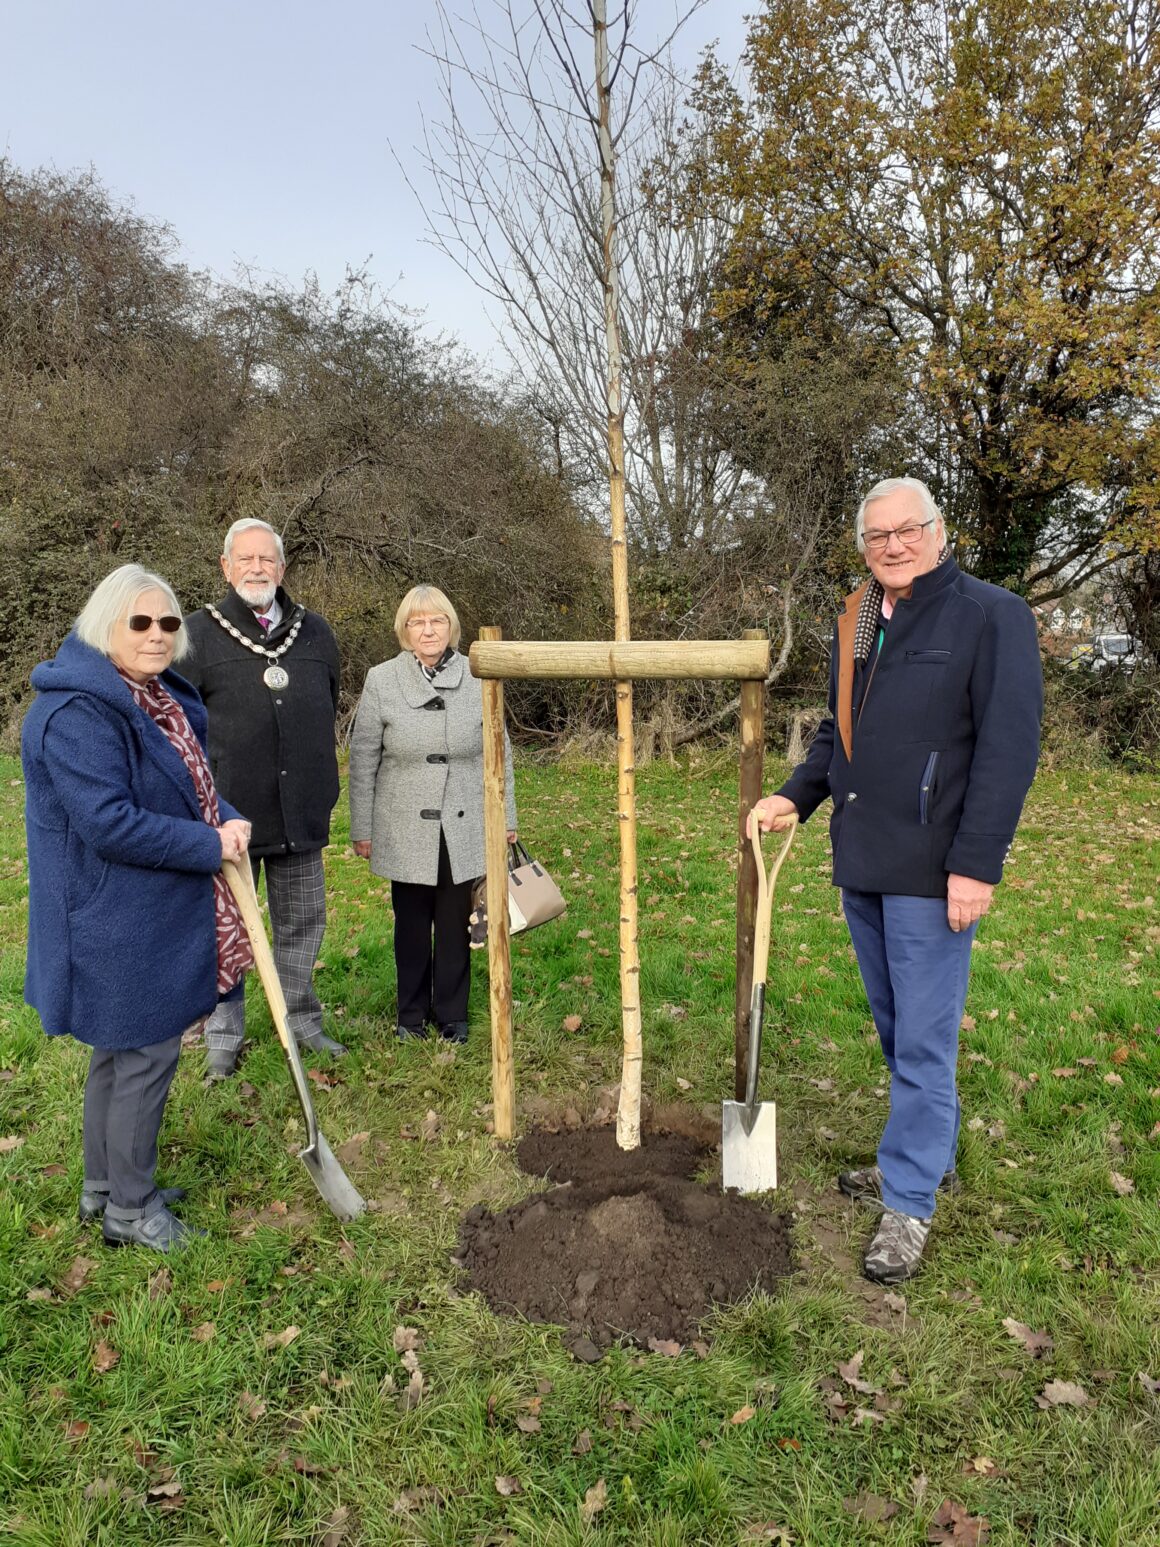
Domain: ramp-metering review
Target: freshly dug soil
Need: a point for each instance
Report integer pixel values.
(625, 1244)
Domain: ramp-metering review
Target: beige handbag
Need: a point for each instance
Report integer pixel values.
(533, 897)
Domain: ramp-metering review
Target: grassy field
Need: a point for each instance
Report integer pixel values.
(254, 1390)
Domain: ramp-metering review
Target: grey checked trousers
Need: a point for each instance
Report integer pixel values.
(296, 894)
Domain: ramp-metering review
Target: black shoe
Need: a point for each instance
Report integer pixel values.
(321, 1043)
(160, 1231)
(454, 1031)
(410, 1033)
(94, 1204)
(220, 1064)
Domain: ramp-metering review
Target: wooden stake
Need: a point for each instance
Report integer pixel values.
(498, 937)
(752, 767)
(732, 659)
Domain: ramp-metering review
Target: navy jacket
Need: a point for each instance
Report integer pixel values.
(929, 749)
(121, 943)
(272, 751)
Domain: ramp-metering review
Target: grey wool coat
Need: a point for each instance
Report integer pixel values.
(416, 765)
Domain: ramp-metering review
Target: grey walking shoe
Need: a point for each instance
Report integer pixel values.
(895, 1250)
(94, 1204)
(454, 1031)
(160, 1231)
(865, 1185)
(410, 1033)
(319, 1042)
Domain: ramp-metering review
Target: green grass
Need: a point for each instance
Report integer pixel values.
(1065, 977)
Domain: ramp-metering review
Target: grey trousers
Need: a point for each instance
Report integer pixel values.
(296, 894)
(124, 1102)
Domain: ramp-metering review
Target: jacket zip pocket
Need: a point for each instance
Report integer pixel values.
(925, 788)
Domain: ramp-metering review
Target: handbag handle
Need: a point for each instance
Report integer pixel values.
(517, 855)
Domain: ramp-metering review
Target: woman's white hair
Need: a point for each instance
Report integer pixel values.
(250, 524)
(425, 598)
(886, 486)
(112, 602)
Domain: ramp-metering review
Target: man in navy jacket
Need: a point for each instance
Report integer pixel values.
(928, 751)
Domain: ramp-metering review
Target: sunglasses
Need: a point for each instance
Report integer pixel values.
(141, 623)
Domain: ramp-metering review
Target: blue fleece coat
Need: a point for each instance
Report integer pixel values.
(121, 942)
(930, 748)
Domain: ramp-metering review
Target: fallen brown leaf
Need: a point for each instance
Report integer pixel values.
(1036, 1343)
(666, 1346)
(1148, 1383)
(42, 1294)
(952, 1523)
(871, 1507)
(743, 1414)
(405, 1338)
(528, 1424)
(334, 1527)
(105, 1356)
(594, 1501)
(204, 1332)
(281, 1339)
(252, 1407)
(75, 1278)
(349, 1152)
(583, 1443)
(1062, 1393)
(416, 1498)
(76, 1430)
(307, 1468)
(850, 1373)
(216, 1285)
(572, 1023)
(160, 1283)
(1123, 1185)
(12, 1142)
(506, 1487)
(324, 1078)
(101, 1488)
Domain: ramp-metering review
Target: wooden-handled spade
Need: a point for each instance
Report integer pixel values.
(749, 1127)
(339, 1193)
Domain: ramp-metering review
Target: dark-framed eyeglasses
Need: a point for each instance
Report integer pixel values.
(909, 535)
(141, 623)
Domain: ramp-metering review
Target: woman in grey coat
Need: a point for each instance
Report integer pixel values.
(416, 807)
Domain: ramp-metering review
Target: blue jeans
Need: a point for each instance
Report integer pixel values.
(915, 970)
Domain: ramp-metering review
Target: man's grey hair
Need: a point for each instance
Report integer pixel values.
(886, 486)
(249, 524)
(113, 601)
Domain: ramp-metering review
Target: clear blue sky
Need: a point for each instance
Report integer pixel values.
(261, 132)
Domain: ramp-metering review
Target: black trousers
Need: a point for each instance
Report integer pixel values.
(124, 1102)
(433, 975)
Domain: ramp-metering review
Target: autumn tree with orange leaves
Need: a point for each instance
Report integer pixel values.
(975, 186)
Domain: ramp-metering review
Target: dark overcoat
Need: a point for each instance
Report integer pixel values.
(121, 940)
(929, 748)
(272, 750)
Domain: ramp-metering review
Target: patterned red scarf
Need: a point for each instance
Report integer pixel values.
(233, 946)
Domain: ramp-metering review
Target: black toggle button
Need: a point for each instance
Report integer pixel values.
(437, 757)
(434, 703)
(430, 816)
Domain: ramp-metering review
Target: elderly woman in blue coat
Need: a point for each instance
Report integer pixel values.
(132, 931)
(416, 807)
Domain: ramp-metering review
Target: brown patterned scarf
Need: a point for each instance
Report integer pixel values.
(233, 946)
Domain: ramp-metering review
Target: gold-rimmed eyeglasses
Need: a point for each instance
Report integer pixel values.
(421, 625)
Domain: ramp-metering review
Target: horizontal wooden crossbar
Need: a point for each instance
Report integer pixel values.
(745, 660)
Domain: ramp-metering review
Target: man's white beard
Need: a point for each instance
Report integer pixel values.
(257, 593)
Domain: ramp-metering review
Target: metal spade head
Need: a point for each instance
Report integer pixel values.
(749, 1146)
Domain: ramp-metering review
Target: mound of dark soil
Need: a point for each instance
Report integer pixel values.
(626, 1244)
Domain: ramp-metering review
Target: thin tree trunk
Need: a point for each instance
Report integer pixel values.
(628, 1114)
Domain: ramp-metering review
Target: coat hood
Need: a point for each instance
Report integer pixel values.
(78, 668)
